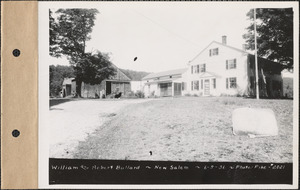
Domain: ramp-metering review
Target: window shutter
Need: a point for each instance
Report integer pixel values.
(210, 52)
(234, 63)
(192, 69)
(201, 84)
(227, 83)
(204, 66)
(226, 64)
(192, 85)
(217, 51)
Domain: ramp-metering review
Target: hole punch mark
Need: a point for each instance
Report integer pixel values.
(16, 52)
(15, 133)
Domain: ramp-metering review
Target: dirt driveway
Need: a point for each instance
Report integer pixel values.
(73, 121)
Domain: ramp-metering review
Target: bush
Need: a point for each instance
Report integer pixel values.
(188, 94)
(139, 94)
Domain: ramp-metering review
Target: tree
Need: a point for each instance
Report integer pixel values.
(57, 75)
(53, 37)
(274, 35)
(69, 31)
(93, 69)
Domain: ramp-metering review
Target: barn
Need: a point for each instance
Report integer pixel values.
(114, 85)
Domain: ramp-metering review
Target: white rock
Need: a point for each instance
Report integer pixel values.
(255, 122)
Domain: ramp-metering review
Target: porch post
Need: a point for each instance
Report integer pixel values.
(172, 85)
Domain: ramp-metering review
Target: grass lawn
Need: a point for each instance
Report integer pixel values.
(188, 129)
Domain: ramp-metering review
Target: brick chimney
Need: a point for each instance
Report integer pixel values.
(224, 40)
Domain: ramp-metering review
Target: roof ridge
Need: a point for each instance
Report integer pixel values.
(219, 44)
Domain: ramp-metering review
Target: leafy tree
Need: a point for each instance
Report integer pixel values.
(69, 31)
(57, 75)
(93, 69)
(274, 35)
(53, 36)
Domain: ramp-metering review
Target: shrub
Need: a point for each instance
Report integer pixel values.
(188, 94)
(140, 94)
(195, 95)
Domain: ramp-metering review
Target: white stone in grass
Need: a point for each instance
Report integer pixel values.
(254, 122)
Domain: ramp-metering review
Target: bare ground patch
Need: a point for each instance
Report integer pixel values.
(74, 121)
(188, 129)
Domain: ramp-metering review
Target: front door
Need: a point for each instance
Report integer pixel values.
(206, 87)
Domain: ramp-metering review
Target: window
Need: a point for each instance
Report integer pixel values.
(214, 83)
(231, 64)
(202, 68)
(231, 82)
(214, 51)
(196, 69)
(195, 85)
(170, 76)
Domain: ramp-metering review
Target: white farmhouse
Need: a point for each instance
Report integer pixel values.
(220, 69)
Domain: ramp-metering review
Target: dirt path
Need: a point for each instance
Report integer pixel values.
(73, 121)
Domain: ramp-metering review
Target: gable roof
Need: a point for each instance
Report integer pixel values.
(165, 73)
(119, 74)
(225, 45)
(239, 50)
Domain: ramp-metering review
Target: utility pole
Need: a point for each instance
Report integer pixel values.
(256, 64)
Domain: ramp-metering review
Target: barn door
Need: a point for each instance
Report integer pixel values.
(108, 87)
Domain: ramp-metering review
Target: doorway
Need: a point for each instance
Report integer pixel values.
(206, 87)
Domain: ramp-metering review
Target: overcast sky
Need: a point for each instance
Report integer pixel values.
(162, 35)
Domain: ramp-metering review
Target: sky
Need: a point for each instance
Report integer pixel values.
(162, 35)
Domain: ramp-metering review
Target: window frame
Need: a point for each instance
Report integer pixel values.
(229, 83)
(195, 86)
(202, 68)
(231, 64)
(214, 52)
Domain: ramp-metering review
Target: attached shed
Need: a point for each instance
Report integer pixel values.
(167, 83)
(68, 87)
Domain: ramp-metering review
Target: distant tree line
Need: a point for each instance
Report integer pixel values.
(56, 77)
